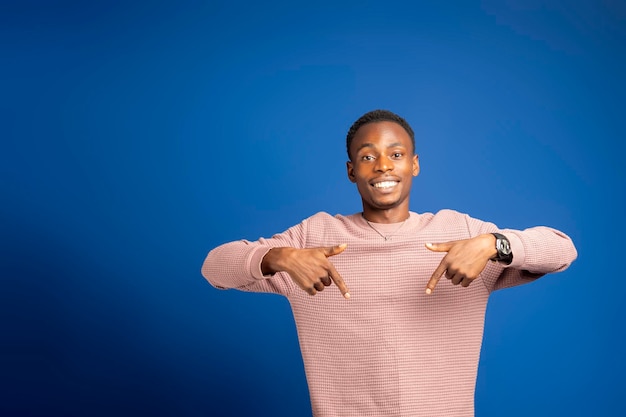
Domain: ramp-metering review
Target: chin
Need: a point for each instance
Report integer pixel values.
(382, 205)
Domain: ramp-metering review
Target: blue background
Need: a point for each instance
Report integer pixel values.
(136, 136)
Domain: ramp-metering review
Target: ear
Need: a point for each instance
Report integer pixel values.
(350, 170)
(416, 165)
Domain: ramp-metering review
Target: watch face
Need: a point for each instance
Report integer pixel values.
(504, 247)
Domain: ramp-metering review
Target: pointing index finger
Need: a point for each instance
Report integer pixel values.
(434, 279)
(334, 275)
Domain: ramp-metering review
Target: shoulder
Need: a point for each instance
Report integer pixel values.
(445, 216)
(323, 227)
(451, 224)
(324, 219)
(462, 223)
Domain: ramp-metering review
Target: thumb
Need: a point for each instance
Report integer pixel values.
(335, 250)
(439, 247)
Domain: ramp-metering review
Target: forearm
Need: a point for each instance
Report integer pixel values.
(235, 264)
(541, 249)
(240, 264)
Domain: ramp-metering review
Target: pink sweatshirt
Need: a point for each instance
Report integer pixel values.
(390, 350)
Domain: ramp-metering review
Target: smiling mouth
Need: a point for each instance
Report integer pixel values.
(385, 184)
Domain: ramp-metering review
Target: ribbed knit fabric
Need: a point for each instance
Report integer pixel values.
(390, 350)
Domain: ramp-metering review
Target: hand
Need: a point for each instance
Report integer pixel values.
(464, 261)
(310, 269)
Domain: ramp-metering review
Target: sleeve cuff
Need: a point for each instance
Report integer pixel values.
(254, 262)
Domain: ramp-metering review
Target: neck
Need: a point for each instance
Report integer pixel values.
(385, 216)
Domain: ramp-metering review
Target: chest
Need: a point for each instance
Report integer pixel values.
(387, 271)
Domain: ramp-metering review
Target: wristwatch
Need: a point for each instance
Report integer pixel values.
(503, 246)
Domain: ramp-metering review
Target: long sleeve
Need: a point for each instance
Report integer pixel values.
(238, 264)
(536, 251)
(541, 250)
(235, 264)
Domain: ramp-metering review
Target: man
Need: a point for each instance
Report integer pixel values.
(399, 342)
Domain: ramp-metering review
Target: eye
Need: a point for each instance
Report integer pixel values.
(367, 158)
(397, 155)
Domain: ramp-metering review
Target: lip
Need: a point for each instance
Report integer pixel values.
(384, 190)
(383, 179)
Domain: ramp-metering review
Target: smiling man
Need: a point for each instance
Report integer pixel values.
(391, 340)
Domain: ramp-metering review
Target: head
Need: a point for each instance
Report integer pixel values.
(381, 148)
(378, 116)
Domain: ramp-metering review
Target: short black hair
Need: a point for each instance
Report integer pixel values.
(375, 116)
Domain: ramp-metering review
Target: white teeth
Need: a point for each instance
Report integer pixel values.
(385, 184)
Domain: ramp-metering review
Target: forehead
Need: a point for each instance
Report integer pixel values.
(381, 134)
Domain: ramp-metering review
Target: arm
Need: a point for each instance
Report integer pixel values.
(237, 265)
(540, 250)
(536, 251)
(274, 265)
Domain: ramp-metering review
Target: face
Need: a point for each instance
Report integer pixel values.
(383, 166)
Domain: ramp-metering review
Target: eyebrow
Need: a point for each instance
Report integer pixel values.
(371, 145)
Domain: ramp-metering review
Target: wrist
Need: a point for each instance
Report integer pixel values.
(490, 245)
(272, 261)
(503, 249)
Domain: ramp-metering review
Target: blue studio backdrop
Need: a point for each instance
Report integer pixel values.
(136, 136)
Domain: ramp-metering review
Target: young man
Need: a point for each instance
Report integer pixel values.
(392, 340)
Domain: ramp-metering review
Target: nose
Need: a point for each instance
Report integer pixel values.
(383, 164)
